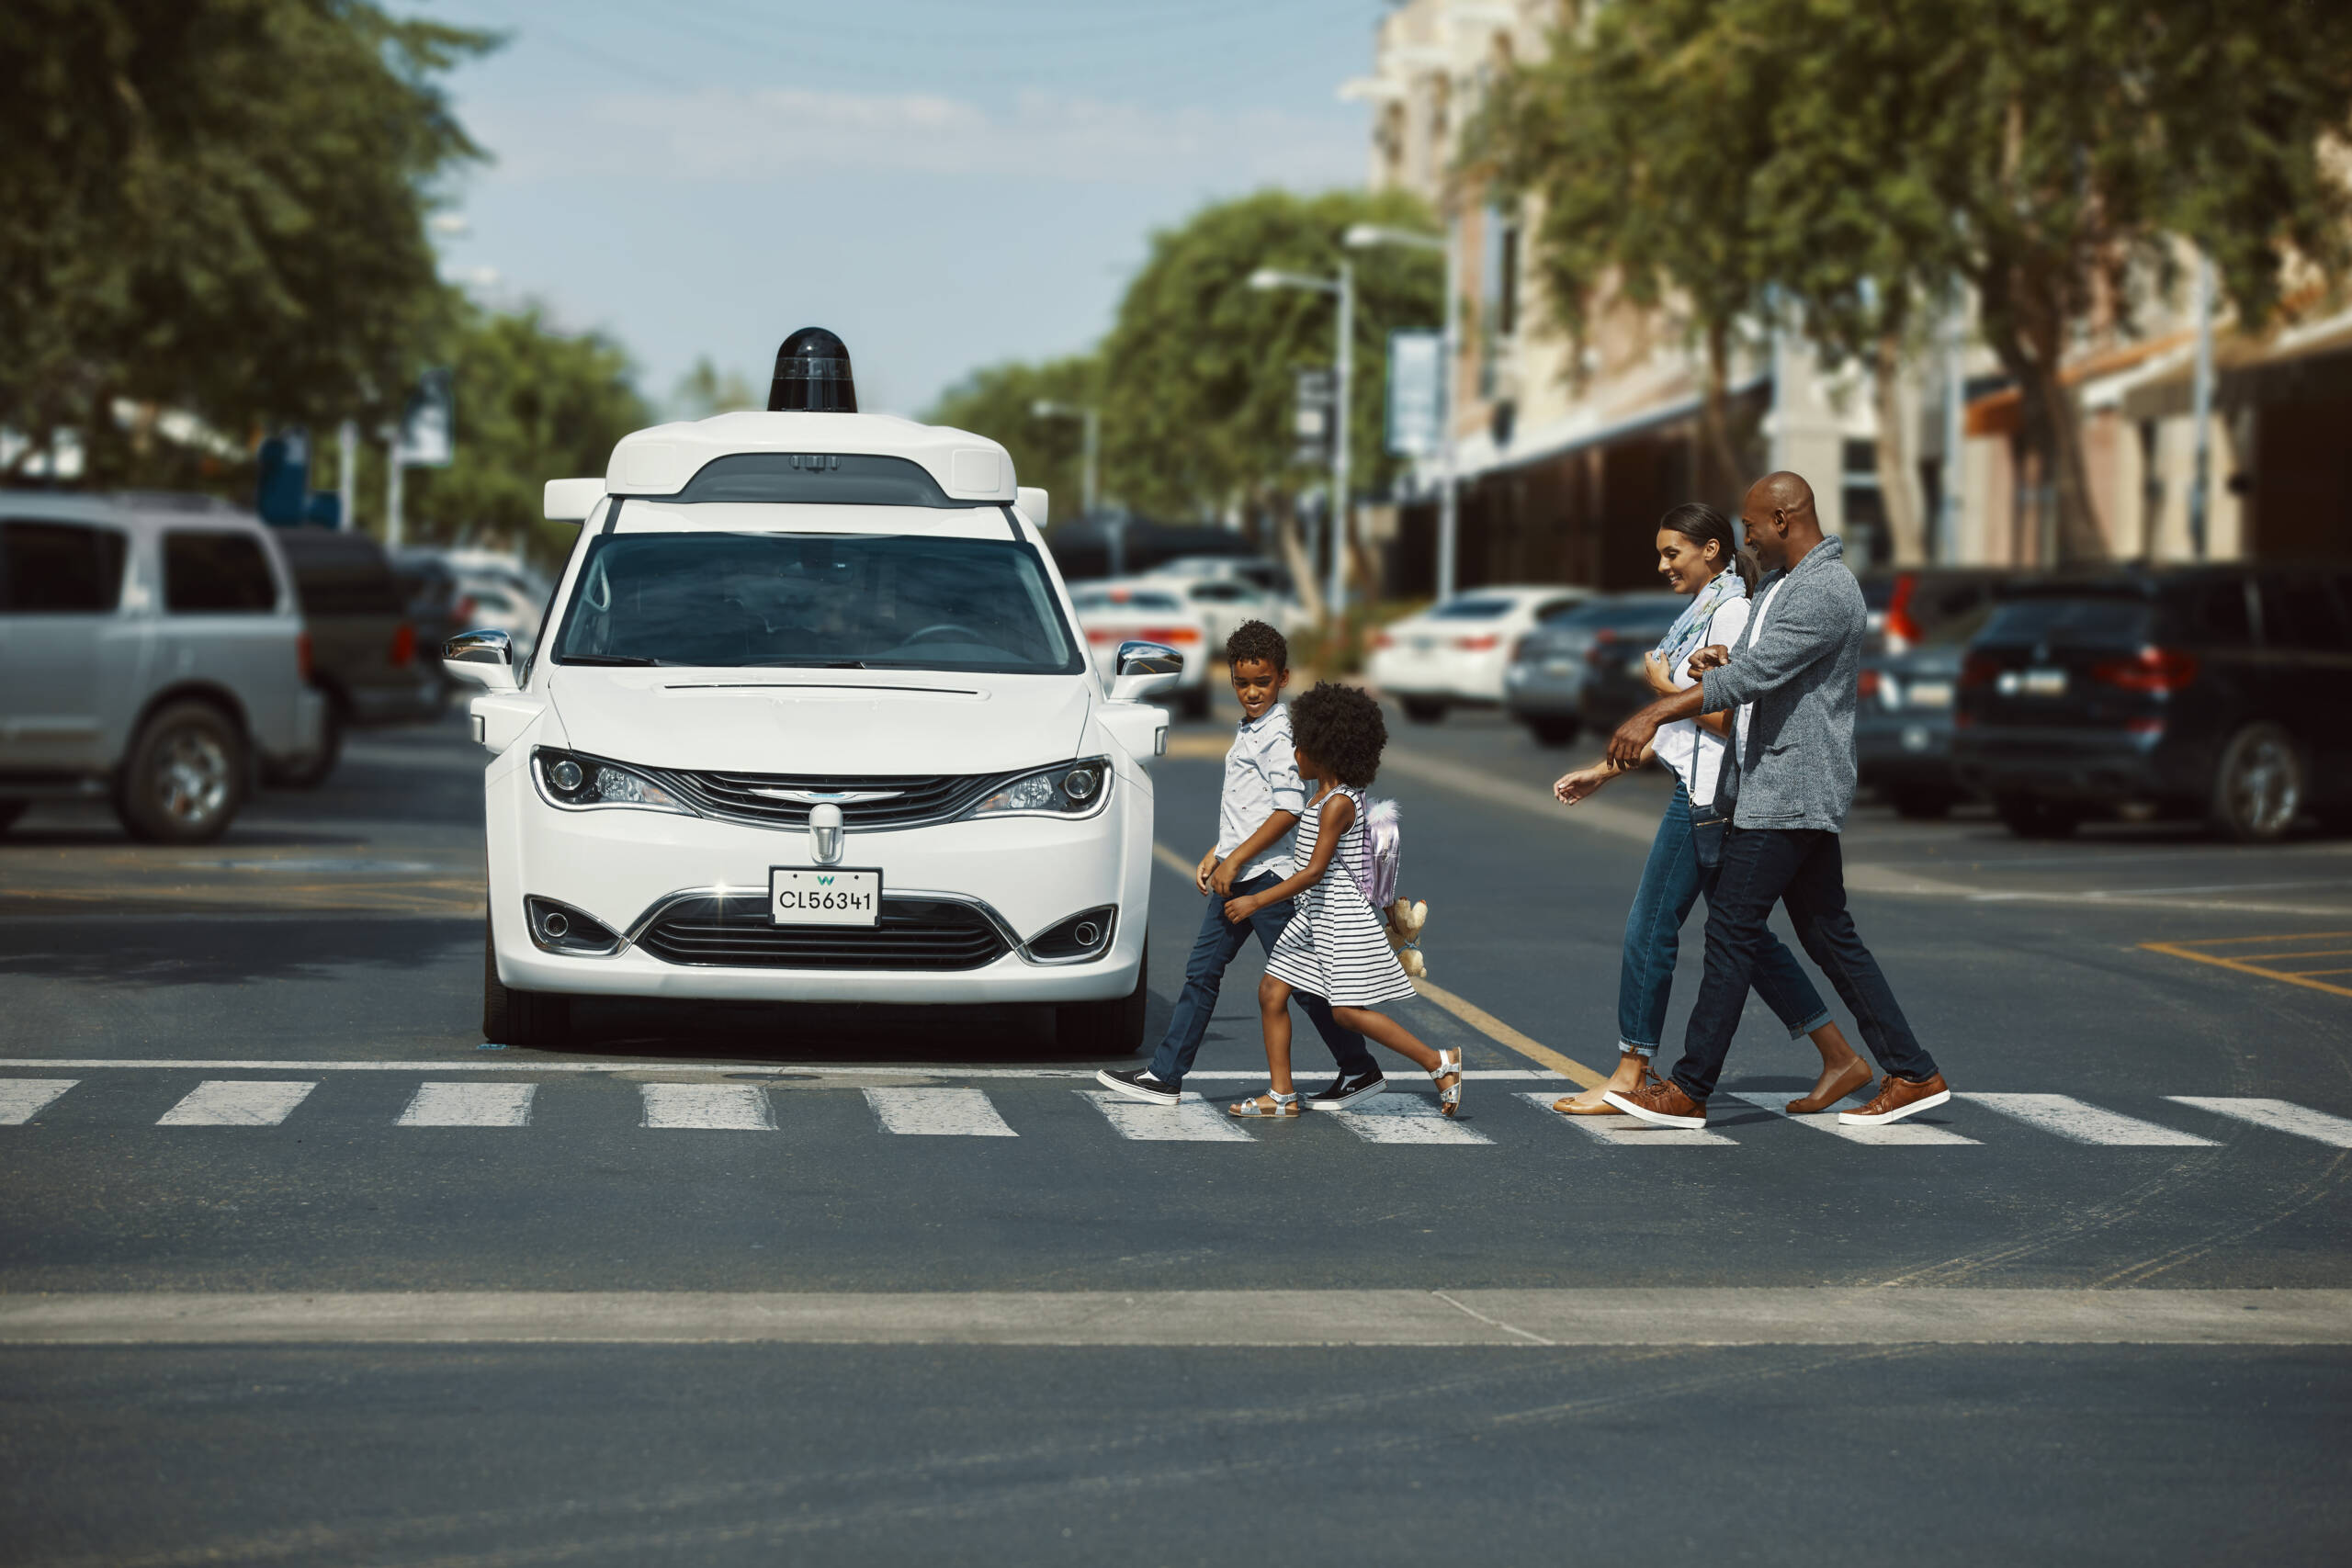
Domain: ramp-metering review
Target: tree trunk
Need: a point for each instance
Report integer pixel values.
(1719, 476)
(1898, 480)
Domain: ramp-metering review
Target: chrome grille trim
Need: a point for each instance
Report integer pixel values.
(894, 800)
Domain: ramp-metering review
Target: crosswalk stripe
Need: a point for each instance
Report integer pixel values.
(1628, 1132)
(1403, 1119)
(1912, 1134)
(2071, 1119)
(2278, 1116)
(236, 1103)
(469, 1105)
(938, 1112)
(1191, 1121)
(21, 1100)
(707, 1107)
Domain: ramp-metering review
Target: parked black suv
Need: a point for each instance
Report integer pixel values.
(365, 653)
(2222, 691)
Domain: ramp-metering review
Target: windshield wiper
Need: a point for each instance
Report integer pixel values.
(803, 664)
(617, 660)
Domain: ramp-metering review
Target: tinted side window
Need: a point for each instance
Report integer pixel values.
(59, 569)
(216, 573)
(2215, 613)
(2302, 613)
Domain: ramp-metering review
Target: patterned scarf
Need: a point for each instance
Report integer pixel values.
(1689, 629)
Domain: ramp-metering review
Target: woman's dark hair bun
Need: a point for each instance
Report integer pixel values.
(1703, 525)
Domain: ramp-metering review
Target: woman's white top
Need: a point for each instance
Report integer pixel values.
(1674, 742)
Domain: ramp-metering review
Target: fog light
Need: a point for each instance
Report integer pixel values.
(560, 928)
(1088, 933)
(555, 924)
(1084, 935)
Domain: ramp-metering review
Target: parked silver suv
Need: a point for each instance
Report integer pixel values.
(154, 653)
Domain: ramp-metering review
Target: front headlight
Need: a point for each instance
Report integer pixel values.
(1066, 789)
(581, 783)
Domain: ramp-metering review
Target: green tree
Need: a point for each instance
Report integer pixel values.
(1000, 401)
(533, 404)
(707, 389)
(217, 206)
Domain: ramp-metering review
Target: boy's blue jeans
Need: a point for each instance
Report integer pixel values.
(1671, 883)
(1213, 951)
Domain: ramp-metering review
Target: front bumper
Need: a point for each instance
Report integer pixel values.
(2100, 765)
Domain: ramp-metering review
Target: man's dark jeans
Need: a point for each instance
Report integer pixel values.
(1215, 948)
(1805, 869)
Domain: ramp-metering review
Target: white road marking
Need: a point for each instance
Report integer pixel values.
(1912, 1134)
(1628, 1132)
(1191, 1121)
(469, 1105)
(709, 1107)
(2070, 1118)
(236, 1103)
(21, 1100)
(938, 1112)
(1403, 1119)
(2278, 1116)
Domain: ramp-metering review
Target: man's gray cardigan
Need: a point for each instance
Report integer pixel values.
(1797, 768)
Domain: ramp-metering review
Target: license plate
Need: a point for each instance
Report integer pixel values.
(823, 897)
(1424, 645)
(2032, 682)
(1930, 695)
(1557, 667)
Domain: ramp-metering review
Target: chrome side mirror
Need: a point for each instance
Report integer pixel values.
(1146, 669)
(484, 658)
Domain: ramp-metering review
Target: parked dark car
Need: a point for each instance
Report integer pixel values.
(364, 648)
(1907, 604)
(1614, 687)
(2222, 690)
(435, 601)
(1903, 715)
(1544, 686)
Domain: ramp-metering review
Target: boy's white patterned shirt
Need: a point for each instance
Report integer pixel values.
(1261, 778)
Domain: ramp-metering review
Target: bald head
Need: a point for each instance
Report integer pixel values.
(1779, 519)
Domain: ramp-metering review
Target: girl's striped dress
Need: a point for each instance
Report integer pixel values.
(1335, 947)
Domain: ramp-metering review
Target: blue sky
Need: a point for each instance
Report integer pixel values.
(943, 183)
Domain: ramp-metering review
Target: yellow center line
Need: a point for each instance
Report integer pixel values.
(2178, 949)
(1468, 1011)
(2279, 936)
(2274, 957)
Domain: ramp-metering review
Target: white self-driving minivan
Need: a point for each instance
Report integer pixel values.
(811, 720)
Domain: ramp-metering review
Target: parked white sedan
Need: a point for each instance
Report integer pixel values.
(1457, 652)
(1140, 609)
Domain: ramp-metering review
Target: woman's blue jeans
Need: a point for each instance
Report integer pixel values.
(1671, 883)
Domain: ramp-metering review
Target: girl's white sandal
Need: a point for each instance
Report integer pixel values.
(1449, 1101)
(1267, 1104)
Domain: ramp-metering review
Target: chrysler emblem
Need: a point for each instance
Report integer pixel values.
(830, 796)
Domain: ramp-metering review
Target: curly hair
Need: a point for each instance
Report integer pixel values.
(1341, 728)
(1256, 639)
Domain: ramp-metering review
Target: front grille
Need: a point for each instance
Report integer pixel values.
(909, 801)
(734, 932)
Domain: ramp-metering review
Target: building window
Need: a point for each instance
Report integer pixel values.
(1867, 544)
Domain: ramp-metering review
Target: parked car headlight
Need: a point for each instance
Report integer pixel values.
(579, 783)
(1066, 789)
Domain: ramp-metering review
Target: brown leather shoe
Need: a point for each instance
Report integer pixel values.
(1898, 1098)
(1832, 1088)
(1664, 1105)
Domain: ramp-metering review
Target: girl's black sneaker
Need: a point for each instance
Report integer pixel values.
(1136, 1083)
(1342, 1092)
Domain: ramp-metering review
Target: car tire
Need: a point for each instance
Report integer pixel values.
(2029, 817)
(1110, 1028)
(1554, 731)
(539, 1020)
(310, 771)
(184, 776)
(1423, 710)
(1920, 803)
(10, 810)
(2258, 789)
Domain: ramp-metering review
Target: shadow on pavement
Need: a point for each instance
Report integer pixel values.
(196, 952)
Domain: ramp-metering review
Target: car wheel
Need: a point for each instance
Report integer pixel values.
(1556, 731)
(1423, 710)
(2258, 788)
(2031, 817)
(185, 778)
(1920, 803)
(310, 771)
(1113, 1028)
(510, 1017)
(10, 810)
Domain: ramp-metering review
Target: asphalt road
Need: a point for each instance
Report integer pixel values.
(343, 1319)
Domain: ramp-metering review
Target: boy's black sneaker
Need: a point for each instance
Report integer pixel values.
(1139, 1084)
(1342, 1092)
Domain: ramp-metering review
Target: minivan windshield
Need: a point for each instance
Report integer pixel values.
(817, 600)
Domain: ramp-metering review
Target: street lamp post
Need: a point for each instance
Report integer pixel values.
(1343, 289)
(1364, 236)
(1091, 424)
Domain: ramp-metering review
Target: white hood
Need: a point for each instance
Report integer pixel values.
(836, 722)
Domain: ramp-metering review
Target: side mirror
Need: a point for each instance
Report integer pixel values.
(1146, 669)
(570, 501)
(484, 658)
(1032, 503)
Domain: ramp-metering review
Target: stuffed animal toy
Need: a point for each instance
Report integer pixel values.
(1403, 928)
